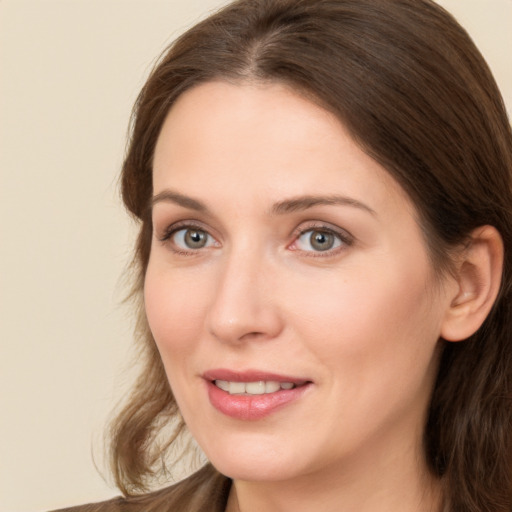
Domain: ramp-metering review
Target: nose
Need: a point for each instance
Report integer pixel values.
(244, 305)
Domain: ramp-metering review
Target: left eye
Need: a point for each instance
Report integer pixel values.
(318, 240)
(192, 238)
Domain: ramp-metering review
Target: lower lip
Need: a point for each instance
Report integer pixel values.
(252, 407)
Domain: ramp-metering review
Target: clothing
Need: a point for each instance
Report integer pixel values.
(204, 491)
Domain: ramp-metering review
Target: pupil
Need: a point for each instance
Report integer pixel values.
(195, 239)
(322, 241)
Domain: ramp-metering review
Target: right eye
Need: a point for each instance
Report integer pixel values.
(191, 238)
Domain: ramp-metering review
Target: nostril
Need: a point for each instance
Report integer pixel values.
(253, 334)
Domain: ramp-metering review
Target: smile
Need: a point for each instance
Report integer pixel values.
(252, 395)
(260, 387)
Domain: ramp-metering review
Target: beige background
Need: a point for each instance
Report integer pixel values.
(70, 71)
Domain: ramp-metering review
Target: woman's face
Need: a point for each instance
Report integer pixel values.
(285, 256)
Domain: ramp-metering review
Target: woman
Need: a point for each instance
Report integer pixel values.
(323, 263)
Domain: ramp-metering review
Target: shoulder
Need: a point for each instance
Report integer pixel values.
(204, 490)
(114, 505)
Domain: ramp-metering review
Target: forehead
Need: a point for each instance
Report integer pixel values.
(265, 140)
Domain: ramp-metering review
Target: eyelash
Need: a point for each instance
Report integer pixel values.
(345, 239)
(165, 238)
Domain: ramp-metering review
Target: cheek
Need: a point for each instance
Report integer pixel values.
(175, 310)
(371, 317)
(375, 336)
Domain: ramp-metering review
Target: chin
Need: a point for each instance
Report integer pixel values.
(256, 460)
(254, 470)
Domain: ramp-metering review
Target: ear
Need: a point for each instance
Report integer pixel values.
(478, 277)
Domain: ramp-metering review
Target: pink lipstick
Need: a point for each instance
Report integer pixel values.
(252, 395)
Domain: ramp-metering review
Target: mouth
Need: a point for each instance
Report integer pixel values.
(252, 395)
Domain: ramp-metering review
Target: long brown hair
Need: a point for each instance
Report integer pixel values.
(417, 96)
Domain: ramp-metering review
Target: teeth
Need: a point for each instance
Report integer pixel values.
(272, 386)
(252, 388)
(236, 388)
(255, 388)
(222, 384)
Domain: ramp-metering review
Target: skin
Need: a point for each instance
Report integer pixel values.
(361, 321)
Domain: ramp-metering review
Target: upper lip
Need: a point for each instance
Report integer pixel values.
(251, 376)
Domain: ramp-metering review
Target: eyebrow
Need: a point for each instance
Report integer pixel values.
(305, 202)
(169, 196)
(294, 204)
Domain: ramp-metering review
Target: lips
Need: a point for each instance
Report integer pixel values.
(252, 395)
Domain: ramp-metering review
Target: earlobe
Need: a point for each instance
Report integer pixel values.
(478, 278)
